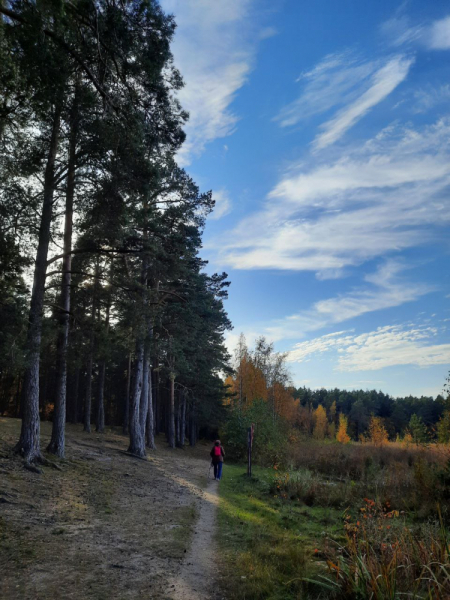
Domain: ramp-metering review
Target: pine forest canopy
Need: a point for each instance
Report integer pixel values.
(121, 323)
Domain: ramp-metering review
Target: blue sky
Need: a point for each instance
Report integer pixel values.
(323, 129)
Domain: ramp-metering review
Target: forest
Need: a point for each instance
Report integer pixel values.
(107, 313)
(115, 377)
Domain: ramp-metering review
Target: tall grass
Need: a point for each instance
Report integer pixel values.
(375, 564)
(413, 479)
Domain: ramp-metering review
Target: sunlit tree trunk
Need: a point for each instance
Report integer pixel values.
(29, 443)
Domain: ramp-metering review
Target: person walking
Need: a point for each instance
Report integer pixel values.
(217, 455)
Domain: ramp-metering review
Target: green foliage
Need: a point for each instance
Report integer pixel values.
(443, 428)
(270, 437)
(418, 430)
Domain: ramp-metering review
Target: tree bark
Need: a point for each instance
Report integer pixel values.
(150, 430)
(171, 431)
(57, 442)
(192, 426)
(74, 411)
(137, 442)
(126, 416)
(183, 418)
(90, 363)
(143, 407)
(29, 443)
(100, 428)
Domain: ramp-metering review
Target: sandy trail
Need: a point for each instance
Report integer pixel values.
(197, 577)
(106, 523)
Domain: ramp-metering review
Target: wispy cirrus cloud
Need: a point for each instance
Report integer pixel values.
(334, 81)
(385, 347)
(382, 83)
(380, 197)
(214, 48)
(399, 31)
(347, 82)
(385, 288)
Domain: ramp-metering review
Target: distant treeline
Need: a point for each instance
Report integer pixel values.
(359, 406)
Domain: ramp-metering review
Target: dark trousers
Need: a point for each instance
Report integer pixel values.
(218, 470)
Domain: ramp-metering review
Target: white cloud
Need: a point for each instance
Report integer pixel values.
(428, 98)
(214, 48)
(222, 206)
(335, 81)
(385, 347)
(439, 35)
(343, 79)
(383, 82)
(375, 199)
(400, 32)
(383, 289)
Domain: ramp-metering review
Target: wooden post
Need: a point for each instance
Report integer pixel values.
(250, 431)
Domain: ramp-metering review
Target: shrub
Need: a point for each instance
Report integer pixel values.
(270, 437)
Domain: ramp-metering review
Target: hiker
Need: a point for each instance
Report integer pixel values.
(217, 455)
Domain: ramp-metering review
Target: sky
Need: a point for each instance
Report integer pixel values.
(323, 130)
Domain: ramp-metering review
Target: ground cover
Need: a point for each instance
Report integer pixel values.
(354, 522)
(103, 524)
(270, 541)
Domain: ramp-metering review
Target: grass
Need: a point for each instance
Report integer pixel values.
(353, 522)
(269, 541)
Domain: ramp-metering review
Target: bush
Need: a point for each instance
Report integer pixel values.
(270, 436)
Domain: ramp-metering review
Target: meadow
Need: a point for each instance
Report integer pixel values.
(345, 521)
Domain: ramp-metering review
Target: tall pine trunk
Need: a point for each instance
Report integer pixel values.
(100, 421)
(126, 415)
(57, 442)
(137, 442)
(171, 432)
(90, 365)
(150, 429)
(74, 408)
(29, 444)
(143, 407)
(192, 425)
(100, 427)
(183, 418)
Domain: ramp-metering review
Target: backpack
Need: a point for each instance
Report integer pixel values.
(217, 451)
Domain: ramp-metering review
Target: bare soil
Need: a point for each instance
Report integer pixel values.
(106, 525)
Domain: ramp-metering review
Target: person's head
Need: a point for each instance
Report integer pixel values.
(217, 443)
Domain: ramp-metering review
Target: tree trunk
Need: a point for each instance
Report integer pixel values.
(76, 385)
(137, 442)
(183, 419)
(126, 416)
(57, 442)
(143, 408)
(171, 431)
(192, 426)
(150, 430)
(29, 443)
(100, 428)
(90, 363)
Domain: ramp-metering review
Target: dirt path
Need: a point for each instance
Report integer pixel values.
(196, 579)
(106, 525)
